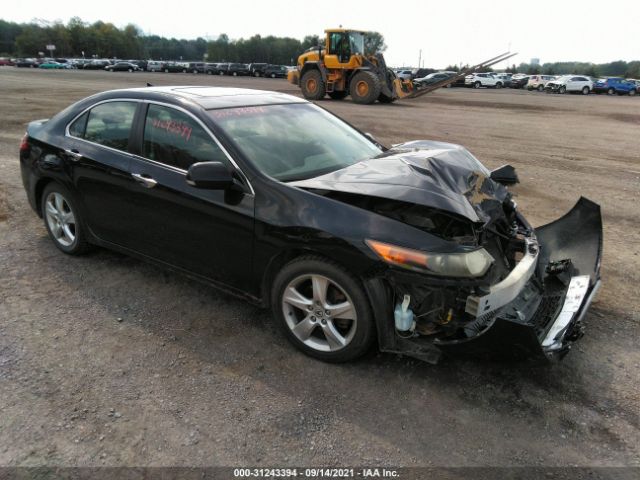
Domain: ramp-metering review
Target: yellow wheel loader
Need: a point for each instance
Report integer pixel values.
(341, 68)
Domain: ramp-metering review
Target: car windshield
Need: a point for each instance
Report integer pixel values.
(294, 141)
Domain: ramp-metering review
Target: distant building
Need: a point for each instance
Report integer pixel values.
(535, 61)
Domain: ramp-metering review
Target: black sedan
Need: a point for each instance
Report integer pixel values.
(417, 247)
(122, 67)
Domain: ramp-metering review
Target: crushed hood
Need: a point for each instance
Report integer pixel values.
(433, 174)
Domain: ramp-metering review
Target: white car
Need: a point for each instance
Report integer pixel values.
(405, 74)
(570, 83)
(477, 80)
(538, 82)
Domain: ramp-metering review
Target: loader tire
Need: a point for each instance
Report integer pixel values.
(338, 95)
(365, 87)
(382, 98)
(312, 85)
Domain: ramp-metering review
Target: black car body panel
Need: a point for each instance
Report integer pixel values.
(423, 195)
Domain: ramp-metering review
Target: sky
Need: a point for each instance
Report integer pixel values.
(439, 33)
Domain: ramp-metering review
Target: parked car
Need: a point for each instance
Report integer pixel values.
(505, 78)
(96, 65)
(275, 71)
(434, 78)
(173, 67)
(405, 74)
(155, 66)
(6, 62)
(570, 83)
(51, 65)
(478, 80)
(142, 64)
(122, 67)
(418, 246)
(421, 72)
(613, 85)
(538, 82)
(196, 67)
(222, 68)
(519, 80)
(257, 69)
(26, 63)
(237, 69)
(211, 68)
(637, 82)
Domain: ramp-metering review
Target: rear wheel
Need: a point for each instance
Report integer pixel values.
(322, 309)
(611, 91)
(338, 95)
(632, 93)
(540, 88)
(166, 70)
(62, 220)
(498, 85)
(235, 74)
(477, 85)
(312, 85)
(365, 87)
(562, 89)
(585, 90)
(130, 70)
(184, 70)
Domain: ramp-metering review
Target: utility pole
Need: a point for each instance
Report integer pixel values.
(419, 58)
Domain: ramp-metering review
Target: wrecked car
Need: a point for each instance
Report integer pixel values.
(418, 247)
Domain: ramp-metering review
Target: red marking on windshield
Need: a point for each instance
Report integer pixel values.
(237, 112)
(171, 126)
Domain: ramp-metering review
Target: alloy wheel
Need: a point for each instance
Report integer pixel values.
(60, 219)
(319, 312)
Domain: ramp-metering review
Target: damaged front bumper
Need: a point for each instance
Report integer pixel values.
(537, 310)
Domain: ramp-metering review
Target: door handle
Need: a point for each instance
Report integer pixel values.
(74, 154)
(145, 180)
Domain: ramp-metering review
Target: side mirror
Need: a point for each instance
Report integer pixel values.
(210, 175)
(506, 175)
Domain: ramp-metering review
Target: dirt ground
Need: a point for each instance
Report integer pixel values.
(105, 360)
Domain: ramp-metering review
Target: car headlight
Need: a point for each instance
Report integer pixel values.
(467, 264)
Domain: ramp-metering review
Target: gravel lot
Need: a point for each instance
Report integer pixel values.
(105, 360)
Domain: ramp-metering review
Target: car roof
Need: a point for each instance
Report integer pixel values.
(211, 98)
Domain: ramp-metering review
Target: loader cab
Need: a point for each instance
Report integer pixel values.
(345, 48)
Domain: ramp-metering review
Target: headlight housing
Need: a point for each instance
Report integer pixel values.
(468, 264)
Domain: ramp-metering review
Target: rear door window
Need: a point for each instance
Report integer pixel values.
(176, 139)
(107, 124)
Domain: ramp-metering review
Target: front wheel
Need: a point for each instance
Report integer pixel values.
(562, 89)
(312, 85)
(611, 91)
(632, 93)
(166, 70)
(585, 90)
(540, 88)
(477, 85)
(62, 220)
(323, 310)
(235, 74)
(498, 85)
(365, 87)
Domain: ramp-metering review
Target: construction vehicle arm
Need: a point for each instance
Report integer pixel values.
(408, 89)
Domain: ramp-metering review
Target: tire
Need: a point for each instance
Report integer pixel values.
(498, 85)
(194, 71)
(312, 85)
(220, 73)
(312, 279)
(256, 74)
(611, 91)
(235, 74)
(562, 89)
(273, 75)
(540, 88)
(62, 220)
(338, 95)
(477, 85)
(365, 87)
(166, 70)
(632, 93)
(585, 90)
(130, 70)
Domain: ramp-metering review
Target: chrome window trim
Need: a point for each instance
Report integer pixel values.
(140, 157)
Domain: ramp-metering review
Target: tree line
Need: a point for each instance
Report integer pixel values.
(105, 40)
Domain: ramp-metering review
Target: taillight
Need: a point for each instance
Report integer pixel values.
(24, 144)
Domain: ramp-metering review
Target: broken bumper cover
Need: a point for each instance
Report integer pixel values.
(538, 309)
